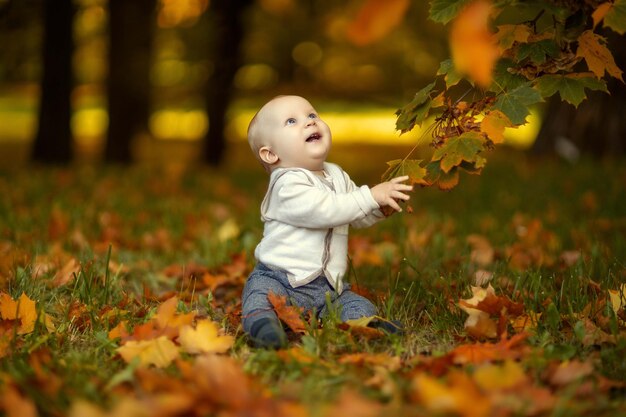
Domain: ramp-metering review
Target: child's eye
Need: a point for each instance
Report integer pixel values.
(290, 121)
(312, 116)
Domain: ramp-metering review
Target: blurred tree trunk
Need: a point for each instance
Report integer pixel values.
(128, 89)
(598, 125)
(228, 31)
(53, 141)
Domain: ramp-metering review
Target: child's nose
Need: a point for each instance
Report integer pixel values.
(311, 122)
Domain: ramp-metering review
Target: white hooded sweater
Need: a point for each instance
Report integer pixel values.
(306, 220)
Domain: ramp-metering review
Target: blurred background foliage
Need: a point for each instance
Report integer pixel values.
(287, 46)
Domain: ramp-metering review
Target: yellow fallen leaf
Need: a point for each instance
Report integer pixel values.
(228, 230)
(492, 377)
(168, 317)
(159, 352)
(205, 338)
(22, 309)
(618, 298)
(459, 395)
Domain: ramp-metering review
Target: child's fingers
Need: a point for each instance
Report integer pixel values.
(399, 179)
(402, 196)
(394, 205)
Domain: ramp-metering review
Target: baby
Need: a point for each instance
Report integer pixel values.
(307, 211)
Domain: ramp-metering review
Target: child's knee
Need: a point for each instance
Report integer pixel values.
(356, 307)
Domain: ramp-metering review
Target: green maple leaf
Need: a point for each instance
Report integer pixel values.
(410, 167)
(616, 17)
(570, 87)
(503, 79)
(466, 147)
(514, 104)
(443, 11)
(444, 180)
(451, 76)
(538, 51)
(416, 111)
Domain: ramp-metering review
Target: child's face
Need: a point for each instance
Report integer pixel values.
(296, 134)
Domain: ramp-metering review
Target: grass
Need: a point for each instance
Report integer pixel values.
(129, 226)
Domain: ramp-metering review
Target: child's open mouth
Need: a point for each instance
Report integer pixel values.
(313, 137)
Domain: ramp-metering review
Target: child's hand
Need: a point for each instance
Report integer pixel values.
(386, 193)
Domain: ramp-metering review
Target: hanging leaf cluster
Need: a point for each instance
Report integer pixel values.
(502, 64)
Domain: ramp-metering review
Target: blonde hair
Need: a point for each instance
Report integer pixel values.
(256, 138)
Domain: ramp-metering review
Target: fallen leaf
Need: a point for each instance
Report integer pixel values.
(205, 338)
(159, 352)
(570, 371)
(119, 331)
(14, 404)
(228, 230)
(22, 309)
(512, 348)
(459, 395)
(496, 377)
(66, 274)
(288, 314)
(167, 315)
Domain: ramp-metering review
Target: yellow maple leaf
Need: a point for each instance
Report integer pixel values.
(493, 125)
(459, 395)
(22, 309)
(168, 317)
(598, 57)
(474, 48)
(159, 352)
(507, 35)
(496, 377)
(205, 338)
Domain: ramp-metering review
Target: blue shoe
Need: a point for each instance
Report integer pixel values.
(268, 333)
(388, 326)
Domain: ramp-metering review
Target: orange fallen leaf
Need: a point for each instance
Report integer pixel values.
(205, 338)
(14, 404)
(66, 274)
(121, 330)
(159, 352)
(288, 314)
(512, 348)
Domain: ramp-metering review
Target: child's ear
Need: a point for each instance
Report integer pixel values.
(267, 156)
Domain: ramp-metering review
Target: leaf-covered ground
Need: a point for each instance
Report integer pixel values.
(120, 297)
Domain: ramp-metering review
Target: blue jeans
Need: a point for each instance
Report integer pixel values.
(311, 296)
